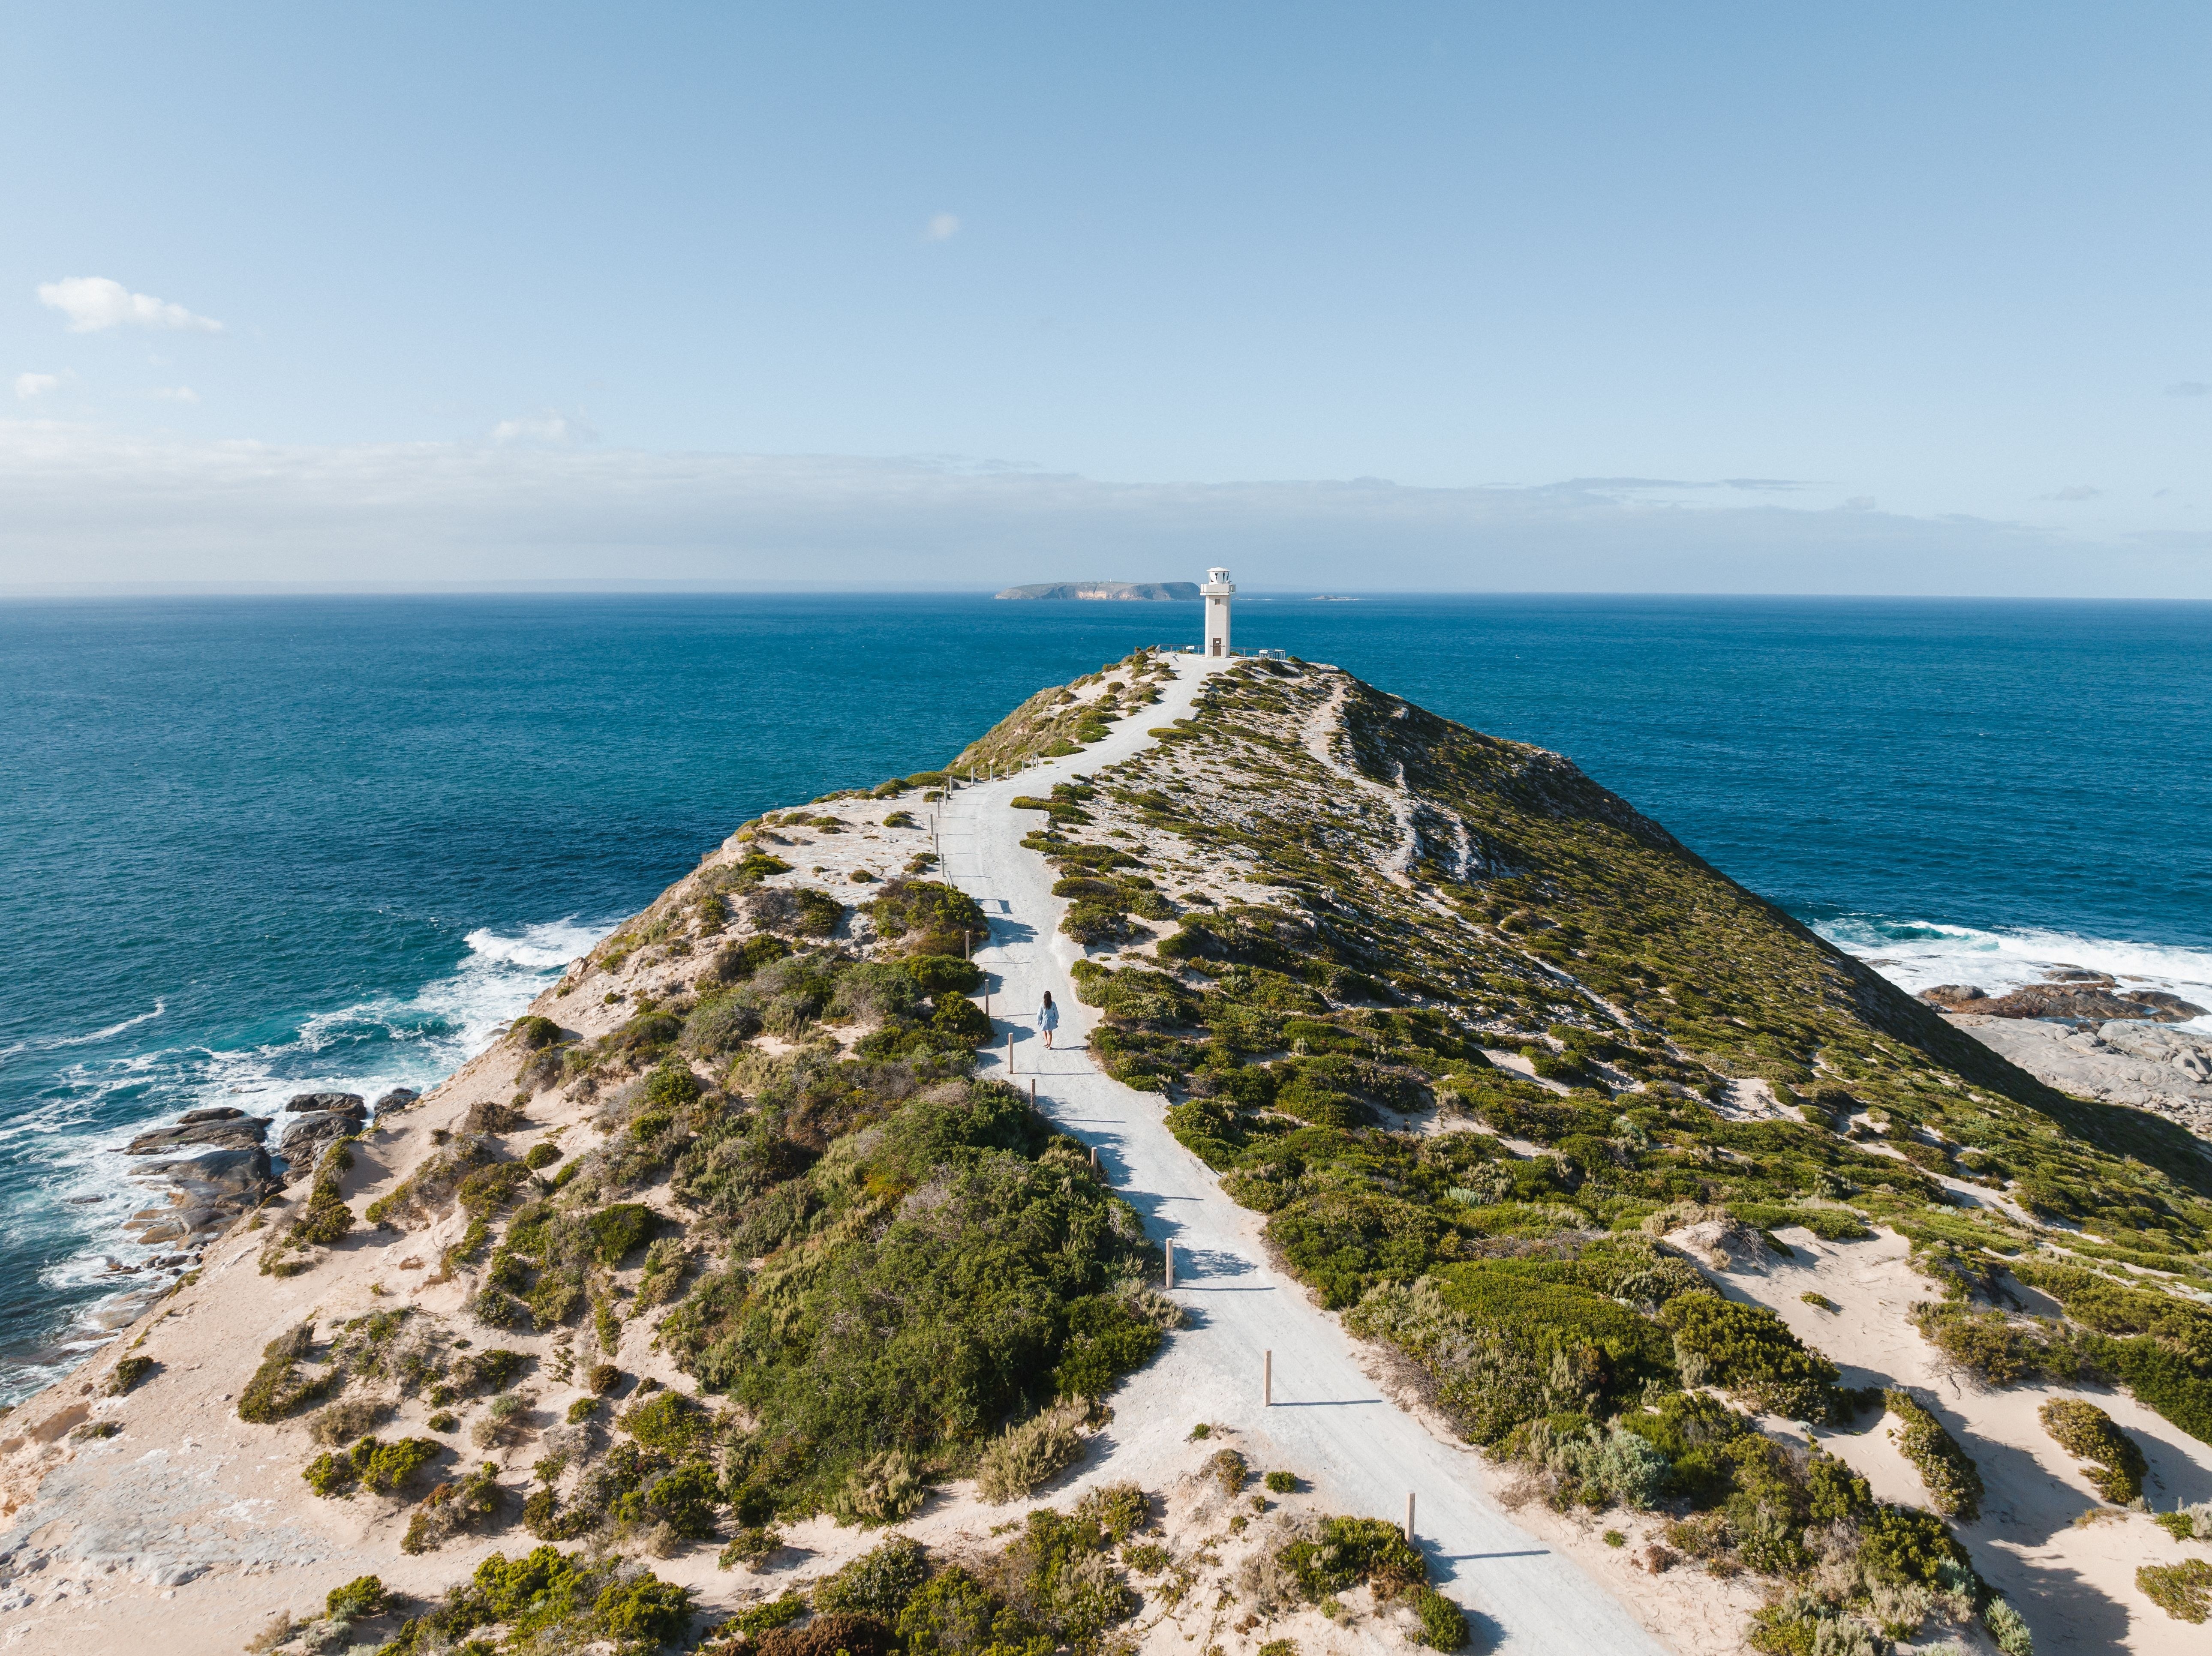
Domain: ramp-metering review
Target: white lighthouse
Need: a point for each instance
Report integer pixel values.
(1217, 592)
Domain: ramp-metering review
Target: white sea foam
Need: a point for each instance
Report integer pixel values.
(112, 1030)
(1917, 955)
(370, 1047)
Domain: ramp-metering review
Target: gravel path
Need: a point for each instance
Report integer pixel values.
(1329, 1421)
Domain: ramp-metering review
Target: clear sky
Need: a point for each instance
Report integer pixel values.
(1718, 296)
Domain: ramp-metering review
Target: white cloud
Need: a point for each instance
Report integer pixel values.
(549, 427)
(173, 394)
(942, 227)
(28, 385)
(2077, 492)
(94, 506)
(94, 304)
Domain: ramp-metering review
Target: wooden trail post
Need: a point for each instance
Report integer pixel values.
(1409, 1514)
(968, 945)
(1267, 1380)
(1010, 1052)
(1170, 1246)
(1094, 1158)
(986, 1006)
(1033, 1092)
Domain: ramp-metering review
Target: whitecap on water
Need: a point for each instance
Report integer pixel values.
(1917, 955)
(413, 1041)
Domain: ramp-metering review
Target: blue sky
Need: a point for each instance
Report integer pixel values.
(1914, 296)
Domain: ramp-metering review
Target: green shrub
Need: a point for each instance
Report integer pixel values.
(128, 1373)
(531, 1032)
(927, 917)
(356, 1601)
(755, 1545)
(453, 1508)
(1954, 1483)
(1091, 923)
(2087, 1433)
(1281, 1483)
(619, 1230)
(1444, 1625)
(944, 974)
(2008, 1628)
(388, 1467)
(541, 1156)
(877, 1585)
(276, 1391)
(736, 962)
(1901, 1545)
(2183, 1590)
(1750, 1353)
(645, 1611)
(959, 1019)
(670, 1422)
(1351, 1550)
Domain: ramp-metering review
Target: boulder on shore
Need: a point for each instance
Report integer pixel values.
(2080, 998)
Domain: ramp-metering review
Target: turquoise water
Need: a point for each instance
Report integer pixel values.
(256, 846)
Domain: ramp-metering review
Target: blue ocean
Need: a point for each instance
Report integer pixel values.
(256, 846)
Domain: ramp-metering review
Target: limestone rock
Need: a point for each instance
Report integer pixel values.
(2145, 1065)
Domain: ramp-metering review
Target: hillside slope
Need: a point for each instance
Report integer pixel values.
(746, 1245)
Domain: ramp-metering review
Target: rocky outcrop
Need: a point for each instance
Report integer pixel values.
(207, 1192)
(322, 1119)
(2072, 997)
(219, 1129)
(2166, 1070)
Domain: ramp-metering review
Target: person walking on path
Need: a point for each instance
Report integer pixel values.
(1048, 1019)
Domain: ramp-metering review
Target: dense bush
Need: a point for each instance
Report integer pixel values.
(1349, 1551)
(927, 917)
(983, 1283)
(356, 1601)
(1955, 1486)
(1749, 1352)
(877, 1585)
(2088, 1433)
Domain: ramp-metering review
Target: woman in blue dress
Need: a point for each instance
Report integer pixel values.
(1047, 1018)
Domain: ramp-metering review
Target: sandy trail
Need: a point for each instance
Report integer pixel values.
(1330, 1422)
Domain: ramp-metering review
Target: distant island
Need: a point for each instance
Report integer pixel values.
(1105, 588)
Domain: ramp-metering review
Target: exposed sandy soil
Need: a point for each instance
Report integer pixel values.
(2074, 1582)
(194, 1524)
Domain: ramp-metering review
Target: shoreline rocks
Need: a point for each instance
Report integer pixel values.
(2145, 1065)
(2071, 996)
(322, 1119)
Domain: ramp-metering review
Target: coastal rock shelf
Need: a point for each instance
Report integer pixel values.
(1672, 1277)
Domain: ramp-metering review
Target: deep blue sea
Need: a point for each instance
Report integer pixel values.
(252, 847)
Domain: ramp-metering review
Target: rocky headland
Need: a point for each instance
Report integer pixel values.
(770, 1284)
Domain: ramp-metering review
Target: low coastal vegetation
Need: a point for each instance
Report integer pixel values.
(1511, 1078)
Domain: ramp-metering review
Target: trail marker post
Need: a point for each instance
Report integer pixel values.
(1409, 1514)
(1267, 1380)
(1010, 1052)
(1033, 1092)
(1170, 1246)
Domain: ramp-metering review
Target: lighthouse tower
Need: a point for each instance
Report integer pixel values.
(1217, 592)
